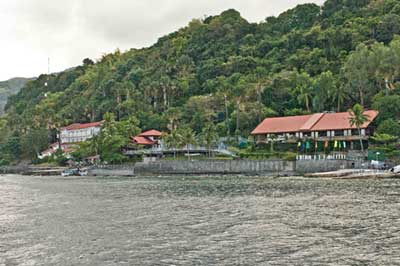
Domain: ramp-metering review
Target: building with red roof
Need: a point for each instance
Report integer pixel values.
(151, 133)
(77, 132)
(150, 138)
(54, 147)
(319, 127)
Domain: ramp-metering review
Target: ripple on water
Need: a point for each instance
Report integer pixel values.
(198, 221)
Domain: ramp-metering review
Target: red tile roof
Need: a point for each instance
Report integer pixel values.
(286, 124)
(143, 140)
(69, 150)
(337, 121)
(54, 145)
(82, 126)
(311, 122)
(315, 122)
(151, 133)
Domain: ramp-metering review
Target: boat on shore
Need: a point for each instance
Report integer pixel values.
(395, 170)
(74, 172)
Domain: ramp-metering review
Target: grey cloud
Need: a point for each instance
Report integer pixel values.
(71, 30)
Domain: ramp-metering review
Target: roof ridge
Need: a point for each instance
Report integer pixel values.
(312, 121)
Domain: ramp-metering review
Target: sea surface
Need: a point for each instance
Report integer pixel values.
(198, 221)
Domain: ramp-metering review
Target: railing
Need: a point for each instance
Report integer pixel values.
(191, 149)
(293, 139)
(334, 156)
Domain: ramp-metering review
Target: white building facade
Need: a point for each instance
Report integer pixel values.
(80, 132)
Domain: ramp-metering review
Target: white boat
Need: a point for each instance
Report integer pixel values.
(395, 169)
(74, 172)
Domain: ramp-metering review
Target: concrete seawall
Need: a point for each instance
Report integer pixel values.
(216, 167)
(316, 166)
(250, 167)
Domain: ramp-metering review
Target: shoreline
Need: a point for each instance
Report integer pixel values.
(343, 174)
(339, 169)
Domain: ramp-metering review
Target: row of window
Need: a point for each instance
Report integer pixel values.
(77, 133)
(69, 139)
(316, 134)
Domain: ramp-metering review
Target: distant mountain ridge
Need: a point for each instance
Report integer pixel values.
(10, 87)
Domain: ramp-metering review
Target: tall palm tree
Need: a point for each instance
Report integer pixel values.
(172, 141)
(358, 118)
(239, 93)
(259, 87)
(188, 138)
(305, 97)
(339, 95)
(209, 136)
(225, 91)
(173, 114)
(304, 89)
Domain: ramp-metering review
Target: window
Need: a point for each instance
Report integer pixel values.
(339, 133)
(354, 132)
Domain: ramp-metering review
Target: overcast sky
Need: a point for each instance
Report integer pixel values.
(68, 31)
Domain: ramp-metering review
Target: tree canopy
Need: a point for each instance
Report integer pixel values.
(225, 71)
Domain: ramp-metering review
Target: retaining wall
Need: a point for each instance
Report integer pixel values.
(251, 167)
(216, 167)
(311, 166)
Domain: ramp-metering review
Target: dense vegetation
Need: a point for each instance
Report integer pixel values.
(225, 71)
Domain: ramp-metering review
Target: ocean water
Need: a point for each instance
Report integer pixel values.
(198, 221)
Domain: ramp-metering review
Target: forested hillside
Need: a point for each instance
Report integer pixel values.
(225, 71)
(10, 87)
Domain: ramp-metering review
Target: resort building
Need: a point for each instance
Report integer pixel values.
(324, 127)
(54, 147)
(79, 132)
(148, 139)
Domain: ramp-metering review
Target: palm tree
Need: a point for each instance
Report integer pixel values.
(187, 137)
(272, 140)
(305, 97)
(358, 118)
(94, 145)
(224, 90)
(238, 90)
(209, 136)
(339, 95)
(172, 141)
(304, 88)
(259, 87)
(173, 114)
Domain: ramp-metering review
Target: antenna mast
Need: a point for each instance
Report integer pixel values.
(48, 73)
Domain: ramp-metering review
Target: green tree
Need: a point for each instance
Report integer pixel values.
(239, 84)
(173, 115)
(187, 138)
(384, 138)
(173, 141)
(224, 90)
(114, 136)
(209, 136)
(326, 91)
(358, 71)
(304, 89)
(389, 127)
(358, 118)
(34, 142)
(388, 107)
